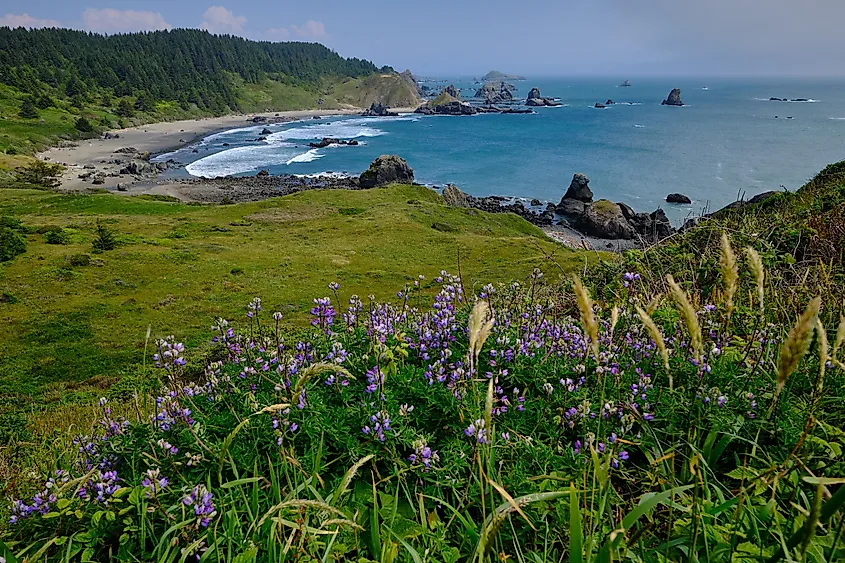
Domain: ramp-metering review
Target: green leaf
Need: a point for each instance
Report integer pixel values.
(63, 503)
(247, 556)
(238, 482)
(576, 531)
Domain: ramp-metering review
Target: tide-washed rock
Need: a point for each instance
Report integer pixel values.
(535, 99)
(600, 105)
(107, 135)
(379, 110)
(677, 198)
(266, 131)
(454, 107)
(326, 141)
(387, 169)
(263, 173)
(138, 168)
(674, 98)
(579, 188)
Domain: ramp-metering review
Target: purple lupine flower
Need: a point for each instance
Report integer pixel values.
(478, 431)
(201, 499)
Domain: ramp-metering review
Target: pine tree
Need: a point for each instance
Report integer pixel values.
(28, 109)
(83, 125)
(125, 109)
(105, 239)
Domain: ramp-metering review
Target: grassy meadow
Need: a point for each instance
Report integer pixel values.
(682, 403)
(72, 329)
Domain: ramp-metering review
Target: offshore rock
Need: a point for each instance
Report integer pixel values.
(579, 189)
(674, 98)
(536, 100)
(387, 169)
(452, 91)
(495, 93)
(677, 198)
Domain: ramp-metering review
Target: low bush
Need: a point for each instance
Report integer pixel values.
(11, 244)
(523, 422)
(57, 236)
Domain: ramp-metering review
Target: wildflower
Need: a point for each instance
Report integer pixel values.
(167, 447)
(153, 482)
(406, 410)
(423, 455)
(628, 278)
(478, 431)
(201, 499)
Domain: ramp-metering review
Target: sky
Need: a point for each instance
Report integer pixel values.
(622, 38)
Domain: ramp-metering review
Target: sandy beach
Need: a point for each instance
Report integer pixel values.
(98, 156)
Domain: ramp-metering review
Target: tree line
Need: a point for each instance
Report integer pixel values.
(185, 65)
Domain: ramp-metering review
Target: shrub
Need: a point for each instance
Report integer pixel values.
(11, 244)
(83, 125)
(40, 173)
(79, 260)
(105, 239)
(57, 236)
(411, 426)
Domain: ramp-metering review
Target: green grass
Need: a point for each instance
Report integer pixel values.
(179, 266)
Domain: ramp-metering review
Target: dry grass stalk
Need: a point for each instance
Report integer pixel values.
(657, 336)
(480, 325)
(687, 312)
(796, 343)
(730, 273)
(823, 356)
(588, 317)
(756, 265)
(614, 318)
(653, 304)
(840, 338)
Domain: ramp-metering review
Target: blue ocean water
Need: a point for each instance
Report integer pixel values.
(725, 142)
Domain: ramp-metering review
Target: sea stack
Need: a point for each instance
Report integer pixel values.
(674, 98)
(536, 100)
(626, 84)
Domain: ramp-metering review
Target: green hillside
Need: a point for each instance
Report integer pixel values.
(62, 84)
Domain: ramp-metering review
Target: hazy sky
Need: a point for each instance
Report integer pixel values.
(562, 37)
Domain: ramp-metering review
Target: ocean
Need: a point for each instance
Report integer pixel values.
(728, 140)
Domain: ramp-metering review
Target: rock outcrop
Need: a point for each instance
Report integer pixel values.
(446, 104)
(626, 84)
(452, 91)
(387, 169)
(379, 110)
(496, 92)
(266, 131)
(579, 189)
(454, 197)
(536, 100)
(326, 141)
(608, 220)
(674, 98)
(677, 198)
(409, 77)
(600, 105)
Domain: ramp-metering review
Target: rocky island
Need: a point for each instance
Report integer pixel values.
(674, 98)
(536, 100)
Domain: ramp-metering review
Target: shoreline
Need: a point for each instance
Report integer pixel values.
(99, 157)
(107, 157)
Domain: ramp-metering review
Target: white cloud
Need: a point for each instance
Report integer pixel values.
(25, 20)
(218, 19)
(109, 20)
(309, 30)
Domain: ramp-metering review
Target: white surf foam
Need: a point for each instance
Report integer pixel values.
(309, 156)
(638, 126)
(240, 160)
(324, 175)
